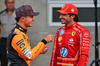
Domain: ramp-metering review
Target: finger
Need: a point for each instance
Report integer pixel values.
(41, 52)
(52, 36)
(46, 49)
(47, 46)
(52, 39)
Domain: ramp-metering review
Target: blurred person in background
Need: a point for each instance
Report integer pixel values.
(7, 22)
(72, 41)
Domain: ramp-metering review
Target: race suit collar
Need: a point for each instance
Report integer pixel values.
(21, 29)
(71, 26)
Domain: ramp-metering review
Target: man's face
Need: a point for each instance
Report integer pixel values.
(10, 4)
(65, 18)
(28, 21)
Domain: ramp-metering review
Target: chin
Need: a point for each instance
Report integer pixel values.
(62, 23)
(30, 25)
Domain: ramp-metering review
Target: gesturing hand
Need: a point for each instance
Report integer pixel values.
(49, 38)
(45, 50)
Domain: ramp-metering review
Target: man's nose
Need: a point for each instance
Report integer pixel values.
(33, 18)
(60, 16)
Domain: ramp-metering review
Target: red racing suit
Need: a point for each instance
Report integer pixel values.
(71, 46)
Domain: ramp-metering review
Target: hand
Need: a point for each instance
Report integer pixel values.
(45, 50)
(49, 38)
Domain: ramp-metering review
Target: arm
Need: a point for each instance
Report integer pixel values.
(54, 50)
(23, 48)
(85, 38)
(45, 50)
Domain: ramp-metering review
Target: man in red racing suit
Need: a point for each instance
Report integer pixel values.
(72, 42)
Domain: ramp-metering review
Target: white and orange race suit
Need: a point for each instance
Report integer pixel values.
(19, 49)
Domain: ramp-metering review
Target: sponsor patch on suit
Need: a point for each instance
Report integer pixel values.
(26, 51)
(22, 45)
(20, 42)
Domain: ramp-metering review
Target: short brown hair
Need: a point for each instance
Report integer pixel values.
(76, 17)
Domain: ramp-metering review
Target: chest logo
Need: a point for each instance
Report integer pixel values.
(14, 15)
(22, 45)
(24, 37)
(23, 49)
(71, 39)
(60, 38)
(19, 42)
(73, 33)
(63, 52)
(61, 32)
(71, 42)
(26, 51)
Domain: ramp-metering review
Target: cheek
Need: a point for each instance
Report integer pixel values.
(7, 5)
(12, 5)
(30, 20)
(65, 18)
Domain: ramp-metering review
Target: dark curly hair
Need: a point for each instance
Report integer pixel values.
(76, 17)
(17, 19)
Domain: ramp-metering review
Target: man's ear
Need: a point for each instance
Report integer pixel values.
(22, 19)
(73, 16)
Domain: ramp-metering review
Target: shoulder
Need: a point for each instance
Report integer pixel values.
(61, 28)
(14, 10)
(2, 11)
(18, 38)
(81, 28)
(83, 31)
(15, 36)
(16, 33)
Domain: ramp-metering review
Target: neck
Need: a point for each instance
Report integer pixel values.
(9, 11)
(70, 23)
(22, 25)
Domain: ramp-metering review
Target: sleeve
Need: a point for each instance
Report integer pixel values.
(54, 52)
(23, 48)
(85, 38)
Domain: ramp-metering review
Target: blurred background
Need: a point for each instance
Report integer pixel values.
(47, 22)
